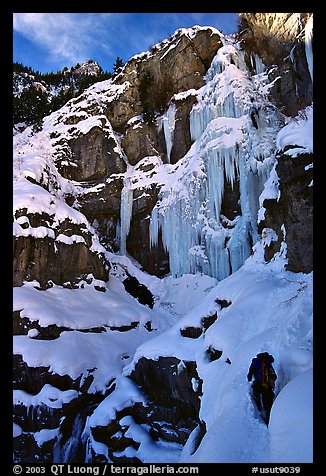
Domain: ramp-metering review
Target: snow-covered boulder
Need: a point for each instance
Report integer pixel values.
(291, 422)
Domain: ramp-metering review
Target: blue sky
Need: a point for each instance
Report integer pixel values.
(49, 41)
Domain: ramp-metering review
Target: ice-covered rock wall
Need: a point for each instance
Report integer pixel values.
(90, 186)
(233, 127)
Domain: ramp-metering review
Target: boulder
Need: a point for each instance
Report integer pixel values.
(43, 260)
(167, 382)
(61, 254)
(139, 291)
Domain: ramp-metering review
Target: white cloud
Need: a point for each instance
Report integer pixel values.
(66, 36)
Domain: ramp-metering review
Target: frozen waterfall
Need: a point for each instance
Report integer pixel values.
(233, 127)
(308, 45)
(167, 122)
(125, 213)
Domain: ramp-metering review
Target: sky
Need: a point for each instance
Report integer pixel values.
(50, 41)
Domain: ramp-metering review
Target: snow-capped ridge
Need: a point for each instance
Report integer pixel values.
(161, 46)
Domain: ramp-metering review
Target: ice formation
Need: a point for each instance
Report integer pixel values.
(125, 214)
(168, 122)
(308, 44)
(233, 127)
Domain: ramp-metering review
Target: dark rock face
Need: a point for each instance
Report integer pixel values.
(170, 414)
(94, 157)
(68, 444)
(271, 35)
(102, 209)
(181, 137)
(153, 260)
(223, 303)
(68, 420)
(192, 332)
(35, 419)
(167, 382)
(209, 320)
(114, 437)
(292, 89)
(32, 379)
(21, 326)
(230, 207)
(48, 258)
(275, 38)
(160, 75)
(214, 354)
(142, 140)
(25, 449)
(295, 210)
(37, 259)
(139, 291)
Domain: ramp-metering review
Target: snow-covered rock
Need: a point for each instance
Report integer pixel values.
(165, 177)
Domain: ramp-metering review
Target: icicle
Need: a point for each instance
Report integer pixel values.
(154, 228)
(125, 214)
(308, 45)
(168, 123)
(260, 67)
(227, 147)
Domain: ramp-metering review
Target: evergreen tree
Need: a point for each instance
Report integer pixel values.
(118, 64)
(31, 105)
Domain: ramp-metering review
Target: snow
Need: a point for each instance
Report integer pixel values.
(291, 424)
(82, 308)
(45, 435)
(35, 199)
(127, 393)
(49, 396)
(102, 355)
(227, 149)
(17, 431)
(32, 333)
(69, 240)
(271, 191)
(158, 452)
(298, 132)
(269, 308)
(85, 308)
(184, 94)
(37, 232)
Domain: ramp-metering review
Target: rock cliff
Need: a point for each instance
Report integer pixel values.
(185, 161)
(278, 38)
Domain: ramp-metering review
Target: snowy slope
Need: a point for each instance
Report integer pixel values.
(82, 309)
(271, 311)
(211, 258)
